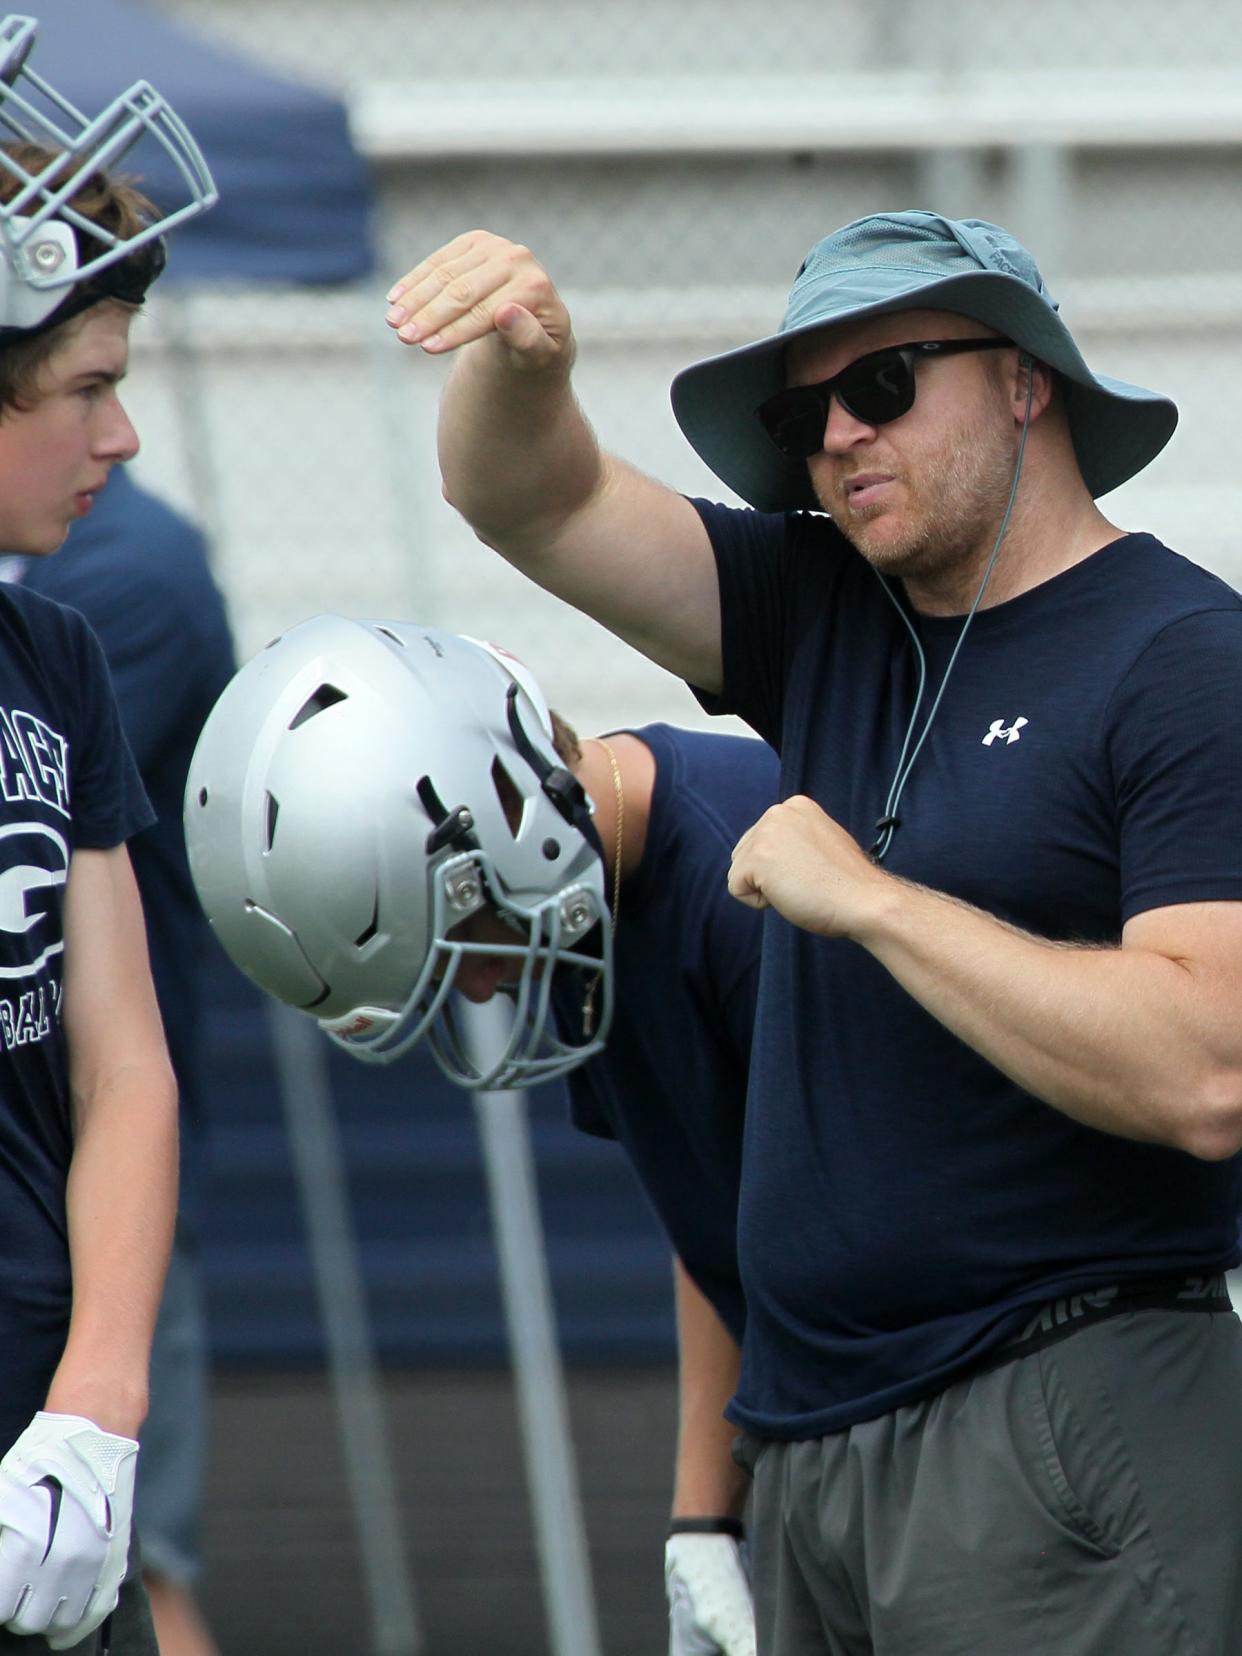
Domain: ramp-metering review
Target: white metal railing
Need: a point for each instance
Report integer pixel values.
(295, 320)
(396, 121)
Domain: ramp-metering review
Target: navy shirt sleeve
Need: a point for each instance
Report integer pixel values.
(754, 567)
(1175, 742)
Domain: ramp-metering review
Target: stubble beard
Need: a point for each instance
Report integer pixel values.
(958, 497)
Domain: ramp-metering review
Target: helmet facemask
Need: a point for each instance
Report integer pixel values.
(47, 247)
(552, 944)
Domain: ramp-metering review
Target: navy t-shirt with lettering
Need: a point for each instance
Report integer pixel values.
(67, 782)
(671, 1084)
(139, 573)
(904, 1203)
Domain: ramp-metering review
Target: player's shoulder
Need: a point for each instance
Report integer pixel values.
(708, 753)
(37, 615)
(48, 650)
(714, 781)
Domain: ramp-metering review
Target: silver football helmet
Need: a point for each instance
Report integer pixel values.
(360, 791)
(46, 247)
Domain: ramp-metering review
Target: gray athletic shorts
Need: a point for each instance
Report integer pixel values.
(1082, 1500)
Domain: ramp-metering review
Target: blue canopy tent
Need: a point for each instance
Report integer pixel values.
(295, 195)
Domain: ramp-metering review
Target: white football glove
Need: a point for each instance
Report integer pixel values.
(709, 1605)
(66, 1506)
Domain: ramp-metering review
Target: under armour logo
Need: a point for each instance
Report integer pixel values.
(999, 728)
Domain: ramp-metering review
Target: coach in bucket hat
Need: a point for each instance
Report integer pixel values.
(993, 1153)
(906, 261)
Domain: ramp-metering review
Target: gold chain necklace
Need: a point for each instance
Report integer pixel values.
(588, 1004)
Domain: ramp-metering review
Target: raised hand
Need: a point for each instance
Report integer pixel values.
(480, 284)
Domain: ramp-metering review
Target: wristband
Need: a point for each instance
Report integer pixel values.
(708, 1526)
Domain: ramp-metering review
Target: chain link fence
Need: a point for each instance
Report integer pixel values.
(671, 166)
(430, 41)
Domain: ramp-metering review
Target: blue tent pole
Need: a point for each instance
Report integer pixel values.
(301, 1068)
(538, 1375)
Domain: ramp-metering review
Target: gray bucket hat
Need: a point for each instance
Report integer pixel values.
(909, 261)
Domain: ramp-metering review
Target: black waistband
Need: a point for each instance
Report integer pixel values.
(1058, 1319)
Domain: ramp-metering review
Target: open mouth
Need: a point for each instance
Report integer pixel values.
(866, 489)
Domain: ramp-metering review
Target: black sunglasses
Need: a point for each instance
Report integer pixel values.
(876, 388)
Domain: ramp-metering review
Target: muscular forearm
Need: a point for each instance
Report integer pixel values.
(521, 463)
(517, 455)
(1122, 1039)
(707, 1482)
(1141, 1040)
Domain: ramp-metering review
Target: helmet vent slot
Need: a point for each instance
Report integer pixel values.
(326, 696)
(273, 811)
(388, 633)
(370, 930)
(509, 795)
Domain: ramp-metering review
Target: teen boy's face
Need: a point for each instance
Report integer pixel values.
(55, 455)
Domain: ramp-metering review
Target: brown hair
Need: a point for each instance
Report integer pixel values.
(111, 202)
(565, 740)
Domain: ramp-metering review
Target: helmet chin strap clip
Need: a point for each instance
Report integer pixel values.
(561, 786)
(455, 828)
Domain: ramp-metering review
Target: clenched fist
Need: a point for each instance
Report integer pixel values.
(797, 860)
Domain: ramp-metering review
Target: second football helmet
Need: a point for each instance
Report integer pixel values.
(361, 791)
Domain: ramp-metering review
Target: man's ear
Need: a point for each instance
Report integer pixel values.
(1037, 378)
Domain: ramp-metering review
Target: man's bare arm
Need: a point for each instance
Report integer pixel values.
(521, 463)
(707, 1482)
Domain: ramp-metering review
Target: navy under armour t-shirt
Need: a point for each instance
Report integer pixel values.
(671, 1083)
(903, 1203)
(139, 573)
(67, 782)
